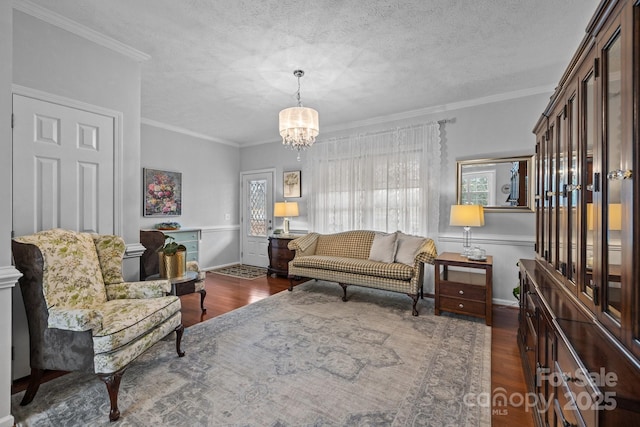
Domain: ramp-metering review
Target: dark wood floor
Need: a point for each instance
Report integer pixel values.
(226, 293)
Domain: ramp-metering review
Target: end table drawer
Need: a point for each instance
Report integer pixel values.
(463, 290)
(463, 306)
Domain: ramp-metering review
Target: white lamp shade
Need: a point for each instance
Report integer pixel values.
(299, 120)
(467, 215)
(285, 209)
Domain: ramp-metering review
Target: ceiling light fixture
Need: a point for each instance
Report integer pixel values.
(299, 125)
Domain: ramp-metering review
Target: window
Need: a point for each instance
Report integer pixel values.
(478, 188)
(385, 182)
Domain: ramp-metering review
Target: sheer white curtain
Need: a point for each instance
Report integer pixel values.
(385, 181)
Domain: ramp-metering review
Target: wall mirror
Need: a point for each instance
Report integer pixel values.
(500, 184)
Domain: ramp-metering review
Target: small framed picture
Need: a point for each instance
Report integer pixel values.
(162, 193)
(292, 184)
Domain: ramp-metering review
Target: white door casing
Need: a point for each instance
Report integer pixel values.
(256, 222)
(64, 175)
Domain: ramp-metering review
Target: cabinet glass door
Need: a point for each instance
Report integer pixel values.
(611, 200)
(573, 189)
(562, 192)
(552, 193)
(540, 222)
(587, 228)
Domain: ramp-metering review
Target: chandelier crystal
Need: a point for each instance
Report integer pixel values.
(299, 125)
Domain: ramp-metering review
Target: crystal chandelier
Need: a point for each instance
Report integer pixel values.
(298, 125)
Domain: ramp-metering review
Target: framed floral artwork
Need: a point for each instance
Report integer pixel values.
(162, 193)
(292, 184)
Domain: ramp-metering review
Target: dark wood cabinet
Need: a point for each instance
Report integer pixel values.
(579, 331)
(280, 255)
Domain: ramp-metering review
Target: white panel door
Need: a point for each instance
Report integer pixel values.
(257, 217)
(63, 168)
(63, 176)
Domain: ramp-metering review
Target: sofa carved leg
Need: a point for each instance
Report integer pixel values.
(32, 388)
(415, 302)
(112, 382)
(203, 294)
(344, 290)
(179, 331)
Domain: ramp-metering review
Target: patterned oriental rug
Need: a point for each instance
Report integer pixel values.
(242, 271)
(301, 358)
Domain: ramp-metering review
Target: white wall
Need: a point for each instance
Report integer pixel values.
(210, 189)
(492, 129)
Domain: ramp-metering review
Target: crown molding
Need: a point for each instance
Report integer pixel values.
(78, 29)
(506, 96)
(188, 132)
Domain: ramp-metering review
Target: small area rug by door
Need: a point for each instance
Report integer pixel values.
(301, 358)
(248, 272)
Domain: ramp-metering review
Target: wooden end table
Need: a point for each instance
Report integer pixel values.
(184, 285)
(280, 254)
(461, 290)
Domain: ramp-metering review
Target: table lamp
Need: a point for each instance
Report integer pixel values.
(285, 210)
(467, 216)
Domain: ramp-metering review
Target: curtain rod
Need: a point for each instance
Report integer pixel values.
(381, 132)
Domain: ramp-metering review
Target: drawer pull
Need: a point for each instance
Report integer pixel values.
(460, 305)
(461, 292)
(527, 348)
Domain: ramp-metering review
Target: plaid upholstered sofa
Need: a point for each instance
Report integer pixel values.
(392, 262)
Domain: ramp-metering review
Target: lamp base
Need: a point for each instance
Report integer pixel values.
(466, 242)
(285, 225)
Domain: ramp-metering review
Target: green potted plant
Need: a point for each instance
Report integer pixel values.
(172, 258)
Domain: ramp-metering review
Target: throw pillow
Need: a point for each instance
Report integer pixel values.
(383, 248)
(407, 248)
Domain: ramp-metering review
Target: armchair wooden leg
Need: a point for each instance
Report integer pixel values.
(112, 382)
(179, 331)
(32, 388)
(415, 303)
(203, 294)
(344, 290)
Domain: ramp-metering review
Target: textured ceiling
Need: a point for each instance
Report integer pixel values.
(223, 68)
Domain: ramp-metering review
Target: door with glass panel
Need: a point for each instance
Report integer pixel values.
(256, 220)
(614, 210)
(584, 227)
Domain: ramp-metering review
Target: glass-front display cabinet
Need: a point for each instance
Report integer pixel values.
(585, 279)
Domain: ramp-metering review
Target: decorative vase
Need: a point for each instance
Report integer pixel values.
(173, 265)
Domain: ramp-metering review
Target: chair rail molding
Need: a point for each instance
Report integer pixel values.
(9, 276)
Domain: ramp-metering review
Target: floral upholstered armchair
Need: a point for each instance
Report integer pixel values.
(82, 315)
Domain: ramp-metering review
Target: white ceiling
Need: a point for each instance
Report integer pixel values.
(224, 68)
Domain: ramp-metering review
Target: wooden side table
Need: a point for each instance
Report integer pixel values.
(280, 255)
(462, 291)
(184, 285)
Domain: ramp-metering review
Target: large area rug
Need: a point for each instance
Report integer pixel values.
(301, 358)
(242, 271)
